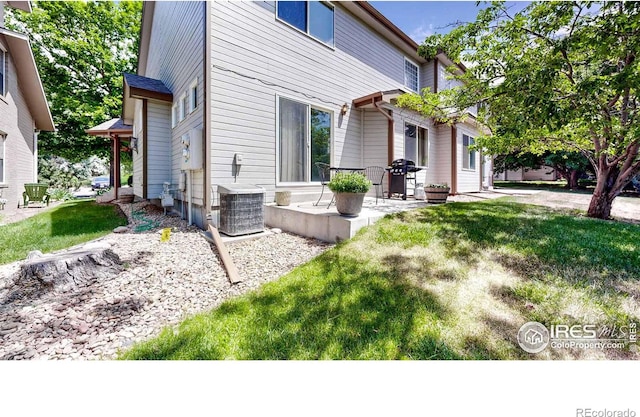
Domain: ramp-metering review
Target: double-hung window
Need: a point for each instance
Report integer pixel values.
(3, 72)
(416, 144)
(315, 18)
(411, 80)
(304, 139)
(2, 140)
(174, 115)
(468, 156)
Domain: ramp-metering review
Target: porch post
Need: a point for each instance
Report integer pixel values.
(116, 164)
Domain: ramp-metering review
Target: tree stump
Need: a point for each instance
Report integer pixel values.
(67, 270)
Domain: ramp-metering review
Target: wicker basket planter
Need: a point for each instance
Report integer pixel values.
(283, 198)
(436, 195)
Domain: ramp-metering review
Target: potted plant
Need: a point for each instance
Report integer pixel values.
(437, 193)
(349, 189)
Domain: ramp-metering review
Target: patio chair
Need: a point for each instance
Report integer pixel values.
(325, 177)
(375, 174)
(35, 193)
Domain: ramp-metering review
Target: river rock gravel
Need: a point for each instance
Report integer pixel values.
(163, 282)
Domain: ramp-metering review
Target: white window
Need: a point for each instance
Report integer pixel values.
(315, 18)
(416, 144)
(174, 115)
(183, 107)
(2, 140)
(3, 72)
(193, 96)
(304, 140)
(410, 75)
(468, 156)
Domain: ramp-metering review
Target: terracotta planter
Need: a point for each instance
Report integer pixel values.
(436, 195)
(349, 204)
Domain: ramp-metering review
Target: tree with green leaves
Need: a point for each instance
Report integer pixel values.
(557, 76)
(81, 49)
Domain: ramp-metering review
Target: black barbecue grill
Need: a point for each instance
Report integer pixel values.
(401, 171)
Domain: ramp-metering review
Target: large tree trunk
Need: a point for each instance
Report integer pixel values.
(604, 193)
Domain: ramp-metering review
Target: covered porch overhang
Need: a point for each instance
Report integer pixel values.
(143, 88)
(119, 133)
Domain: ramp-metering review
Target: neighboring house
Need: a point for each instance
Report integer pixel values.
(263, 90)
(544, 173)
(24, 111)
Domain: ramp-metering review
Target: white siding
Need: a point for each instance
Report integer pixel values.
(426, 76)
(159, 147)
(441, 162)
(247, 38)
(375, 142)
(16, 121)
(176, 56)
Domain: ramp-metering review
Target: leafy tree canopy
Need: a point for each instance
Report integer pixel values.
(81, 49)
(557, 76)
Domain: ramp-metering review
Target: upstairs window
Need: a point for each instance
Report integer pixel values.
(468, 156)
(174, 115)
(183, 107)
(3, 71)
(193, 96)
(315, 18)
(410, 75)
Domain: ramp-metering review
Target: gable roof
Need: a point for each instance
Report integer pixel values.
(139, 87)
(113, 126)
(30, 83)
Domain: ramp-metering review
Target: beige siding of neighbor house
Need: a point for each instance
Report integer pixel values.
(176, 55)
(17, 123)
(545, 173)
(248, 39)
(426, 75)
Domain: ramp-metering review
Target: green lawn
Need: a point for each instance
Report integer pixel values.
(69, 224)
(454, 281)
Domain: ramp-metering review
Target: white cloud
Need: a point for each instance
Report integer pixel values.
(421, 32)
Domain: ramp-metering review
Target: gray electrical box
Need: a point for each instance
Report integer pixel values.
(241, 209)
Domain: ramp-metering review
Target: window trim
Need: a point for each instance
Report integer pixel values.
(466, 156)
(309, 105)
(418, 129)
(404, 73)
(174, 115)
(182, 113)
(4, 68)
(307, 32)
(3, 156)
(193, 87)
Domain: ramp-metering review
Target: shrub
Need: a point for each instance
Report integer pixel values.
(349, 182)
(60, 194)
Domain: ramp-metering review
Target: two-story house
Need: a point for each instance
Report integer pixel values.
(24, 111)
(263, 90)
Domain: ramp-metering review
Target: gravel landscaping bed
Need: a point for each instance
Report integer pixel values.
(162, 283)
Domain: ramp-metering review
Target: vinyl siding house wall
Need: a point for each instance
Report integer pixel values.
(23, 112)
(269, 93)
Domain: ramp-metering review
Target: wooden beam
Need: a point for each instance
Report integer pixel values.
(232, 270)
(454, 161)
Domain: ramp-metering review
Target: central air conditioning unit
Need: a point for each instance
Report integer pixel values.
(241, 209)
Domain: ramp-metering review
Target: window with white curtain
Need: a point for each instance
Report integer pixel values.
(304, 139)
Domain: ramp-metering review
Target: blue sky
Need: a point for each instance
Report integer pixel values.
(419, 19)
